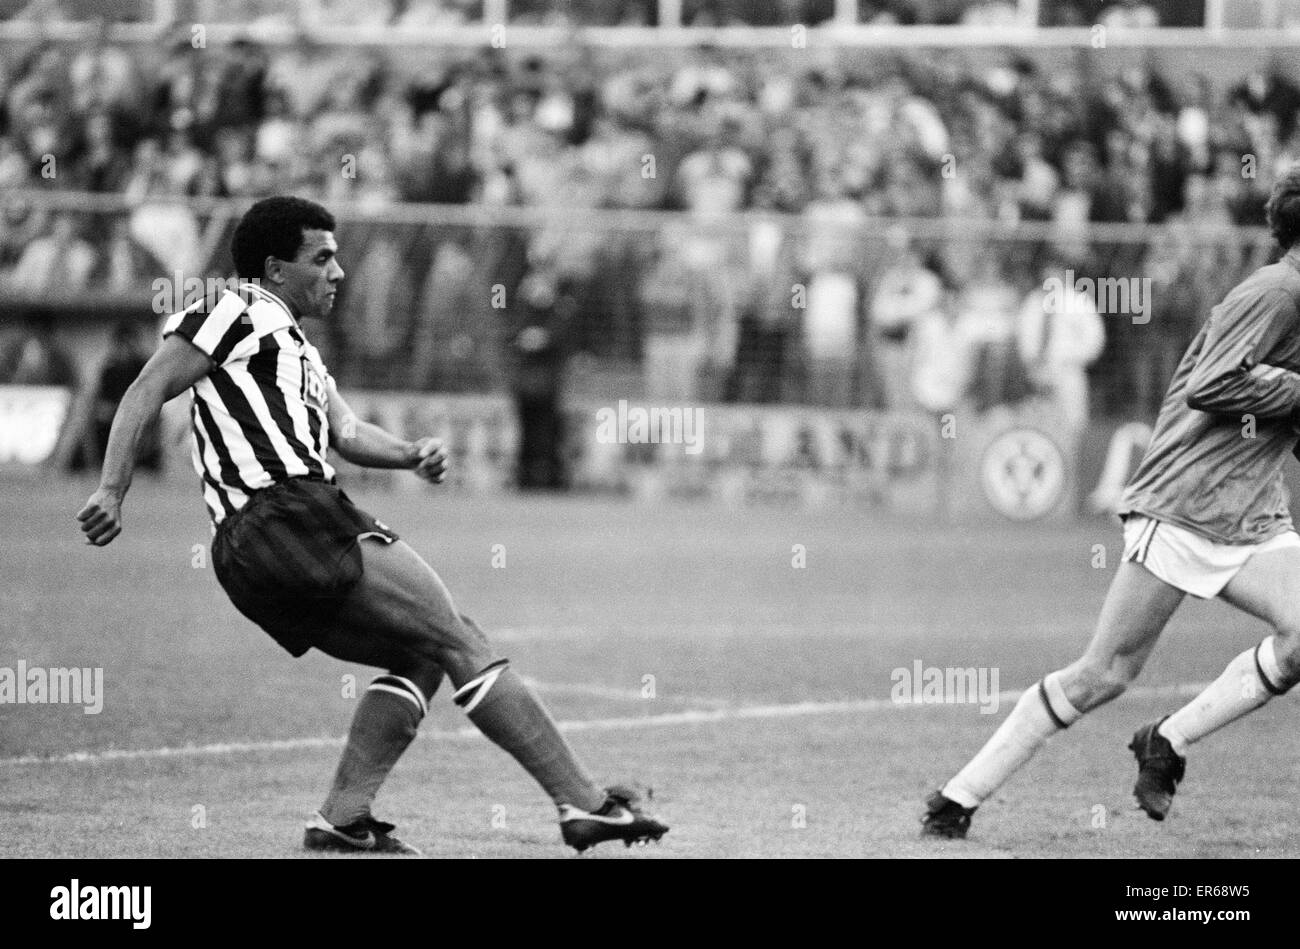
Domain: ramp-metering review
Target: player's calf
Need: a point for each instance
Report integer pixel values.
(505, 709)
(383, 726)
(1043, 710)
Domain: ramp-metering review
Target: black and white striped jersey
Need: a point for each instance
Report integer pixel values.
(260, 416)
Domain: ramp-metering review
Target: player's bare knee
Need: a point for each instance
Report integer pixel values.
(1095, 683)
(1286, 649)
(424, 672)
(473, 630)
(1119, 675)
(460, 650)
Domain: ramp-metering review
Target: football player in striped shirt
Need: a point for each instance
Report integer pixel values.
(298, 558)
(1205, 514)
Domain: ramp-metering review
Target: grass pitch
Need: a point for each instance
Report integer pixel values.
(678, 644)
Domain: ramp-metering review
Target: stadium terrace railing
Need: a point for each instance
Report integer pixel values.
(624, 219)
(1274, 24)
(617, 37)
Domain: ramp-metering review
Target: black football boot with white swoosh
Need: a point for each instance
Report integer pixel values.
(365, 835)
(619, 818)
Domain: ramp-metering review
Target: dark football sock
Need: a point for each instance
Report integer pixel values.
(385, 723)
(505, 710)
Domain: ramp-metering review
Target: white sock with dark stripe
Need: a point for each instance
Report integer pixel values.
(1248, 682)
(1041, 712)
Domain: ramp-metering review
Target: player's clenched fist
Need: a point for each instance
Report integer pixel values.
(429, 459)
(101, 518)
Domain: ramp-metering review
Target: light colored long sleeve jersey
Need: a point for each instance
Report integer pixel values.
(1229, 419)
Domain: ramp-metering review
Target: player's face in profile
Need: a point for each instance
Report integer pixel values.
(312, 279)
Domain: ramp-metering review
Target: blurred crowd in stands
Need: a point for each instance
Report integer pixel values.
(416, 14)
(727, 128)
(813, 303)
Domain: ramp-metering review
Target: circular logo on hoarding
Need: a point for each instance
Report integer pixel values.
(1023, 474)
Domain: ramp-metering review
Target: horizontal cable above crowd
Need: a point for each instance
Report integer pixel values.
(533, 217)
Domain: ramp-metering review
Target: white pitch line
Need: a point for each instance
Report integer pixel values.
(584, 688)
(698, 631)
(802, 709)
(623, 695)
(625, 723)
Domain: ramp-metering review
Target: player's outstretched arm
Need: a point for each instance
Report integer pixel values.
(366, 444)
(175, 367)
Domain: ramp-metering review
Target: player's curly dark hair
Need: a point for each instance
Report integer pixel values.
(273, 228)
(1282, 211)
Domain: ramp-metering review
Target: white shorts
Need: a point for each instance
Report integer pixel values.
(1188, 561)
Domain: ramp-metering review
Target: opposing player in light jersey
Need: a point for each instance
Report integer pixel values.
(297, 557)
(1205, 514)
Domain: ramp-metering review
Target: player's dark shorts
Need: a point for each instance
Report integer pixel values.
(289, 557)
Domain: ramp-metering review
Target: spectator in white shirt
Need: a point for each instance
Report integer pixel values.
(1058, 335)
(908, 292)
(943, 360)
